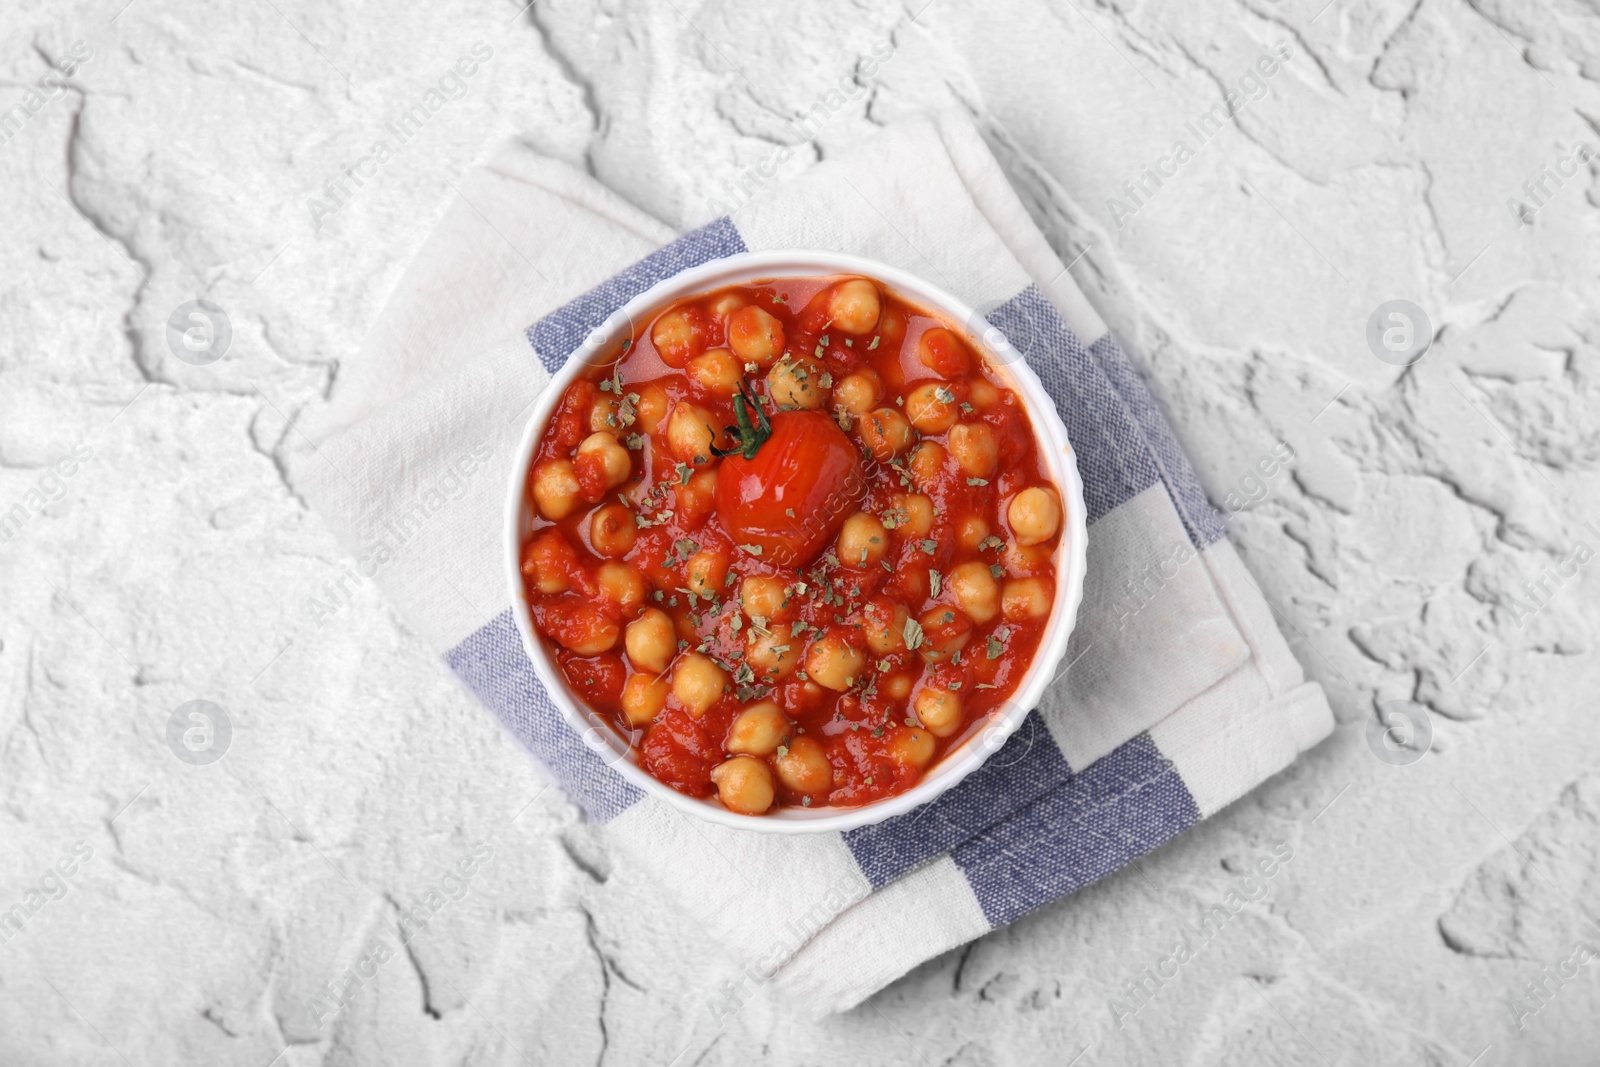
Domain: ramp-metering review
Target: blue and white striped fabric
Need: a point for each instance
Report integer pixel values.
(1178, 695)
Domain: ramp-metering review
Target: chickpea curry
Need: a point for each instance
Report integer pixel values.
(795, 543)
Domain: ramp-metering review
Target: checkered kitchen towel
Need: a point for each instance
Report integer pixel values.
(1181, 695)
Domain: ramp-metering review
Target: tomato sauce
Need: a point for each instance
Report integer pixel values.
(796, 542)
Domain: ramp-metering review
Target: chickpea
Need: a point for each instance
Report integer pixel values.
(549, 561)
(931, 407)
(805, 767)
(945, 631)
(797, 382)
(981, 394)
(621, 584)
(912, 747)
(603, 416)
(587, 632)
(854, 306)
(707, 571)
(885, 432)
(651, 407)
(555, 489)
(754, 335)
(834, 663)
(1027, 598)
(939, 711)
(971, 533)
(857, 392)
(764, 597)
(698, 683)
(927, 460)
(758, 731)
(716, 372)
(942, 352)
(651, 641)
(892, 326)
(896, 686)
(883, 623)
(862, 540)
(612, 530)
(643, 698)
(1035, 515)
(913, 513)
(693, 502)
(610, 454)
(975, 449)
(690, 433)
(678, 336)
(772, 655)
(976, 591)
(744, 785)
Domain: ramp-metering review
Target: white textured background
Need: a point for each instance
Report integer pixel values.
(176, 563)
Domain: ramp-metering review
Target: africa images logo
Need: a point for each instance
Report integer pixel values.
(48, 89)
(199, 732)
(1202, 129)
(199, 332)
(51, 886)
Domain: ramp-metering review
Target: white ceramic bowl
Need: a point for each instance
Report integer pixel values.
(1056, 455)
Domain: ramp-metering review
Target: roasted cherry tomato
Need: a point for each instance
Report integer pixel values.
(789, 482)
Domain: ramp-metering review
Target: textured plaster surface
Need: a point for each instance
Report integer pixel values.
(1431, 913)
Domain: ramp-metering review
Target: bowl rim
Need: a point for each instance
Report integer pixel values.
(1059, 460)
